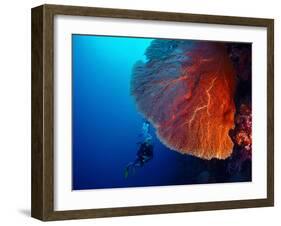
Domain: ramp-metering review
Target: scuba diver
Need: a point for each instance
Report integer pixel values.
(145, 151)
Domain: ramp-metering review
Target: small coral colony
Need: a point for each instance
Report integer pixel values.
(197, 96)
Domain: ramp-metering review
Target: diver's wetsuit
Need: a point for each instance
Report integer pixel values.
(144, 154)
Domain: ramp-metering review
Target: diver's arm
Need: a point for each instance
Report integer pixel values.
(147, 157)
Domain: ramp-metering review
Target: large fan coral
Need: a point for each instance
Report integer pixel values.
(186, 90)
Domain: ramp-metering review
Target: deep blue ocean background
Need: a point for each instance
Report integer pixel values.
(107, 125)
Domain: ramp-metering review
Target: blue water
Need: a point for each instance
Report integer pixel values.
(106, 123)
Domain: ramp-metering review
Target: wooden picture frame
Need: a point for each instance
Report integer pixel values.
(43, 107)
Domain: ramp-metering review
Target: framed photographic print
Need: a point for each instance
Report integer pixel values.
(141, 112)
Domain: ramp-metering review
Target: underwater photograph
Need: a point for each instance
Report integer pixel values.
(160, 112)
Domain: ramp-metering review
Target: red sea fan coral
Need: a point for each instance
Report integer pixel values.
(186, 90)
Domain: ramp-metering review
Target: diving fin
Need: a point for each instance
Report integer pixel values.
(126, 172)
